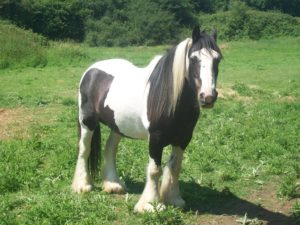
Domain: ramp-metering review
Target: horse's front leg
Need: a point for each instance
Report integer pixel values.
(169, 190)
(150, 195)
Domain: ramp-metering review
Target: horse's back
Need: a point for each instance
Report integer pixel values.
(115, 67)
(126, 95)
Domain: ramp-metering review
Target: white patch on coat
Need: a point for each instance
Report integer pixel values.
(169, 190)
(208, 82)
(150, 195)
(82, 180)
(127, 96)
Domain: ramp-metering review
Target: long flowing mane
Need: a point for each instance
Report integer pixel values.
(166, 81)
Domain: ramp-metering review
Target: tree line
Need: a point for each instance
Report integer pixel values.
(123, 22)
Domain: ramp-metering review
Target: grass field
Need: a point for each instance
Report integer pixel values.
(242, 164)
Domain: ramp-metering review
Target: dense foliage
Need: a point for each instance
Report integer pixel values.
(54, 19)
(286, 6)
(130, 22)
(240, 22)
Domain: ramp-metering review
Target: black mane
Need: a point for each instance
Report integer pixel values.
(161, 87)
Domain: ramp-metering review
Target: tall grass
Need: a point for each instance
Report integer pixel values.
(21, 47)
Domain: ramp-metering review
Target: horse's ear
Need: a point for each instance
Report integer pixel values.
(196, 33)
(214, 33)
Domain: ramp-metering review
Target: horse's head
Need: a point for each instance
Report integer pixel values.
(205, 56)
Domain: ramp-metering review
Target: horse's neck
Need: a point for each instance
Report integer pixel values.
(189, 94)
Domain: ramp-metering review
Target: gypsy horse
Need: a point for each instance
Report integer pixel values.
(160, 102)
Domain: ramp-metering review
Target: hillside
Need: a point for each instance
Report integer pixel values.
(130, 22)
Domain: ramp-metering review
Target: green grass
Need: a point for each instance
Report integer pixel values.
(249, 140)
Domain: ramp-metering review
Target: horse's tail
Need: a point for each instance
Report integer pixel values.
(95, 155)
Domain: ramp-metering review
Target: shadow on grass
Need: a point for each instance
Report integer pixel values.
(133, 186)
(206, 200)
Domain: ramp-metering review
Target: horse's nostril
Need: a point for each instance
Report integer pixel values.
(202, 95)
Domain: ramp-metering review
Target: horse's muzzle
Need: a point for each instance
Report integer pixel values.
(209, 100)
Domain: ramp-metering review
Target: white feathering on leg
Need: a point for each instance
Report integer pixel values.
(169, 190)
(150, 195)
(82, 180)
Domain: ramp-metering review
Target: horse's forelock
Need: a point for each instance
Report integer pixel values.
(205, 41)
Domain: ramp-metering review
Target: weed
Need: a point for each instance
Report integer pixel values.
(169, 216)
(69, 102)
(289, 187)
(296, 211)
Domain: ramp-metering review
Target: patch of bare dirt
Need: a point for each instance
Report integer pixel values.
(224, 46)
(262, 207)
(12, 122)
(227, 93)
(15, 122)
(267, 198)
(217, 220)
(288, 99)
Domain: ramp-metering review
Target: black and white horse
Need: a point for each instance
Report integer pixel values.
(160, 102)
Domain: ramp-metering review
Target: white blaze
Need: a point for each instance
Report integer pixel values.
(208, 82)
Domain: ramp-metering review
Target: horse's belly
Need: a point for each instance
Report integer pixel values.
(130, 126)
(128, 102)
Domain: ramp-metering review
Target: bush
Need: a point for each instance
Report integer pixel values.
(241, 22)
(139, 23)
(52, 18)
(271, 24)
(21, 47)
(291, 7)
(106, 32)
(237, 19)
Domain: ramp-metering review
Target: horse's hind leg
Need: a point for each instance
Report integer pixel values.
(169, 190)
(111, 181)
(82, 179)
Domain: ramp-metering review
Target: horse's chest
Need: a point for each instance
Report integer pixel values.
(127, 99)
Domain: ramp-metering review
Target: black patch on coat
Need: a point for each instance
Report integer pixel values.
(93, 89)
(176, 130)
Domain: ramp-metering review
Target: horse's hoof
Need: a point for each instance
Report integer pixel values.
(113, 187)
(82, 188)
(148, 207)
